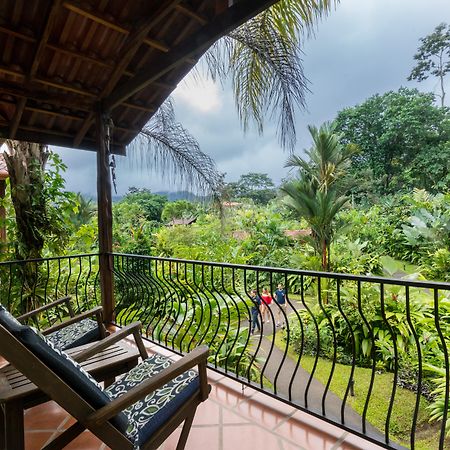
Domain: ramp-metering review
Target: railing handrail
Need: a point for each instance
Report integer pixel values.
(50, 258)
(362, 278)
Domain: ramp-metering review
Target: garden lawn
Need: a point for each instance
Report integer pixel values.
(427, 435)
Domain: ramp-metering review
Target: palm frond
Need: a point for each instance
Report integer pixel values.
(164, 145)
(263, 60)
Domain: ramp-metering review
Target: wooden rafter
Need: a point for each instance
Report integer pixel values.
(192, 14)
(197, 43)
(59, 138)
(35, 64)
(126, 54)
(17, 34)
(45, 97)
(102, 19)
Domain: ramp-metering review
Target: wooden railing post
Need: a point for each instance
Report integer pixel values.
(104, 215)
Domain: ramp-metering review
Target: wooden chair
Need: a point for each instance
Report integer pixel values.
(138, 411)
(79, 329)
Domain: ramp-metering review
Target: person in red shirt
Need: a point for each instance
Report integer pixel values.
(266, 301)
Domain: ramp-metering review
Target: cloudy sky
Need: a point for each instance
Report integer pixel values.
(362, 48)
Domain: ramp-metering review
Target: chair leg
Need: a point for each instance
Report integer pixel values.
(12, 426)
(185, 431)
(65, 438)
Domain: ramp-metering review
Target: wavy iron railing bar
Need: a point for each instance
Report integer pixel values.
(334, 327)
(28, 284)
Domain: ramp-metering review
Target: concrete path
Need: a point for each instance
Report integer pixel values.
(291, 382)
(295, 383)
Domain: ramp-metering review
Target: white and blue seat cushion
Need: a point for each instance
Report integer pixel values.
(75, 334)
(150, 413)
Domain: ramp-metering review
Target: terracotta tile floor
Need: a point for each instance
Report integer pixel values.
(231, 419)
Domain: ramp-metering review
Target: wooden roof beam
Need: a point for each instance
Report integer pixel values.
(80, 55)
(66, 87)
(12, 71)
(45, 97)
(51, 17)
(139, 107)
(102, 19)
(192, 14)
(127, 52)
(61, 139)
(17, 34)
(196, 44)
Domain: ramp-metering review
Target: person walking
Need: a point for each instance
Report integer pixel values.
(265, 305)
(255, 311)
(280, 299)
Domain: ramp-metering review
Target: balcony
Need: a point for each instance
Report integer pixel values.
(233, 417)
(332, 375)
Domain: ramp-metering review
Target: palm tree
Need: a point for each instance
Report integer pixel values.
(263, 60)
(165, 144)
(314, 194)
(84, 212)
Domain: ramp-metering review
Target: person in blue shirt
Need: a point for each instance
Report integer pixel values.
(280, 299)
(256, 299)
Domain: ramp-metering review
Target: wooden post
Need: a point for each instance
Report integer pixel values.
(104, 217)
(2, 212)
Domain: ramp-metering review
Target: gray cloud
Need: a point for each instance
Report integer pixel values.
(361, 49)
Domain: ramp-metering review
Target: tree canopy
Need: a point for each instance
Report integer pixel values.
(151, 204)
(257, 186)
(433, 57)
(399, 134)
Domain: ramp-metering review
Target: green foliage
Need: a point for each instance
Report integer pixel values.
(151, 205)
(256, 186)
(398, 134)
(179, 209)
(83, 212)
(52, 204)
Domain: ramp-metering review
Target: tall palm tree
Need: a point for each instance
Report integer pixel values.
(313, 195)
(327, 158)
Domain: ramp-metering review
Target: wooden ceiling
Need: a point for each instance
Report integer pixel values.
(63, 60)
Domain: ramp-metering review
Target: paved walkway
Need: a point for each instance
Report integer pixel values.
(291, 382)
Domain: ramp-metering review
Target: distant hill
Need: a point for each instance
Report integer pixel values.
(181, 195)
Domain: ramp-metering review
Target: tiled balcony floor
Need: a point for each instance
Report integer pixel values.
(230, 419)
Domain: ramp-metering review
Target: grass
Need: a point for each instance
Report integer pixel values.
(427, 435)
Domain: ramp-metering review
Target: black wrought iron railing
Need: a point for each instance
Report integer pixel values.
(368, 354)
(26, 285)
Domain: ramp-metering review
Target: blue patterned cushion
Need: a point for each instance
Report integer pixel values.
(63, 366)
(75, 334)
(150, 413)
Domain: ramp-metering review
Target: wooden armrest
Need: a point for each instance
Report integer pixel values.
(133, 328)
(196, 357)
(97, 311)
(45, 307)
